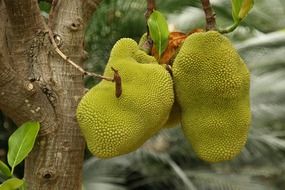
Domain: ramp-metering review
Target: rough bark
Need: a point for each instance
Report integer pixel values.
(21, 99)
(37, 84)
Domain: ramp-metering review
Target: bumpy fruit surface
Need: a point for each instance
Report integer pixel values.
(212, 86)
(114, 126)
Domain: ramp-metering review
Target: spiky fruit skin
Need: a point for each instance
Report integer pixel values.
(115, 126)
(211, 83)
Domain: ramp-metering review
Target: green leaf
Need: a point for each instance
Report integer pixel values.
(4, 169)
(21, 143)
(236, 6)
(245, 8)
(158, 29)
(11, 184)
(240, 9)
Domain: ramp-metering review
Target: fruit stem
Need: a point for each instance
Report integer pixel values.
(118, 82)
(66, 58)
(209, 14)
(229, 29)
(150, 8)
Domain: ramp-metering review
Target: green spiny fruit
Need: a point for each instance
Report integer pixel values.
(211, 83)
(175, 115)
(114, 126)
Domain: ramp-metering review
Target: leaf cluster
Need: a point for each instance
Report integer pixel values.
(20, 144)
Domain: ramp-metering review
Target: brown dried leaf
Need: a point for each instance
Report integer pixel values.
(175, 39)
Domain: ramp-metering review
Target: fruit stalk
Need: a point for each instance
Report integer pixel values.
(66, 58)
(210, 15)
(150, 8)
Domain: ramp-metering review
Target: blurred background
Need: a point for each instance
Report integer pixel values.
(167, 160)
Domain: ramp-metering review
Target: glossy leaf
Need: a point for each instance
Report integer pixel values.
(21, 143)
(245, 8)
(240, 9)
(11, 184)
(4, 169)
(236, 6)
(158, 29)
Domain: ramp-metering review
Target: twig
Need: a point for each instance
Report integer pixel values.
(210, 15)
(150, 8)
(229, 29)
(63, 56)
(55, 45)
(116, 78)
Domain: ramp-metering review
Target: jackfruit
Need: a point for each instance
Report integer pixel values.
(115, 126)
(175, 115)
(211, 83)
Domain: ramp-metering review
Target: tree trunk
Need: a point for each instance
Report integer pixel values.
(37, 84)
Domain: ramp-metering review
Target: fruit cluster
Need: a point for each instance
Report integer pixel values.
(209, 85)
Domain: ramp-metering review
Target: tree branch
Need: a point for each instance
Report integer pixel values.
(23, 22)
(148, 43)
(24, 17)
(56, 162)
(92, 5)
(23, 100)
(64, 57)
(116, 78)
(209, 14)
(150, 8)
